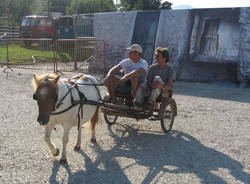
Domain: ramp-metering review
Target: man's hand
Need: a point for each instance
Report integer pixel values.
(107, 80)
(123, 80)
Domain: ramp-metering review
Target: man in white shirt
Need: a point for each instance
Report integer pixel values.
(135, 70)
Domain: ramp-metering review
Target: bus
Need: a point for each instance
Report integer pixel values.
(35, 26)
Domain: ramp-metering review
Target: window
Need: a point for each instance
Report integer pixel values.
(209, 39)
(24, 22)
(49, 22)
(31, 22)
(42, 22)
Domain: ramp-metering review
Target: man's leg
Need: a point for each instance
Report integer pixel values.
(111, 85)
(142, 92)
(134, 86)
(155, 92)
(164, 103)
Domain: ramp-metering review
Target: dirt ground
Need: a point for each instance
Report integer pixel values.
(209, 143)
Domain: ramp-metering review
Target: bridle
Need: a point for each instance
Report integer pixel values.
(54, 97)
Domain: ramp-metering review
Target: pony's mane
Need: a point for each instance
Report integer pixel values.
(43, 78)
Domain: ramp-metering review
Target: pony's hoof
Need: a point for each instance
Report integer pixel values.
(93, 141)
(77, 148)
(63, 161)
(56, 153)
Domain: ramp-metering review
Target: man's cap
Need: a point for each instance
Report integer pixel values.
(135, 47)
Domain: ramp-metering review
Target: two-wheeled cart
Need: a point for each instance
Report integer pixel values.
(123, 109)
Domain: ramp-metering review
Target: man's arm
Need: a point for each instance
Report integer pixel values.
(110, 76)
(135, 73)
(114, 70)
(169, 85)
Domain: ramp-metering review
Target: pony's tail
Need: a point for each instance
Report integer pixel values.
(94, 119)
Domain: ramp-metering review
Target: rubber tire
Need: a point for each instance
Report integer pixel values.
(170, 120)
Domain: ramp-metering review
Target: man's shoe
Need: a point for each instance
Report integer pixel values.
(148, 106)
(137, 104)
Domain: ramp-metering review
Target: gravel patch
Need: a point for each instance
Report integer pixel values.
(209, 143)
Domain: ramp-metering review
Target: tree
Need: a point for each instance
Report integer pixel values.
(151, 4)
(166, 5)
(15, 10)
(127, 5)
(3, 7)
(91, 6)
(59, 5)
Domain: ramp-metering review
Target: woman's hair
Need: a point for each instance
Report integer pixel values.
(164, 52)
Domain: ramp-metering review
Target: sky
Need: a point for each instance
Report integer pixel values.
(177, 4)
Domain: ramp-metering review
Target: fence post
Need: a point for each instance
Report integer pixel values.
(55, 53)
(7, 46)
(75, 53)
(104, 43)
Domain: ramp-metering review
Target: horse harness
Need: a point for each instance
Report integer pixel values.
(83, 99)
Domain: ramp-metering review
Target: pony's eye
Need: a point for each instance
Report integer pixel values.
(34, 96)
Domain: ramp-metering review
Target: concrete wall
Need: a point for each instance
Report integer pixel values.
(244, 54)
(173, 32)
(214, 46)
(184, 32)
(116, 29)
(226, 33)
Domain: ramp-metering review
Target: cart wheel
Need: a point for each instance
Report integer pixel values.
(110, 119)
(170, 112)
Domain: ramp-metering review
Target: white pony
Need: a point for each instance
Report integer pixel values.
(60, 102)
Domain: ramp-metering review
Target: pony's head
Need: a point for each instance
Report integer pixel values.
(46, 95)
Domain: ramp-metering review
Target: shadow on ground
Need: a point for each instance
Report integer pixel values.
(223, 91)
(174, 153)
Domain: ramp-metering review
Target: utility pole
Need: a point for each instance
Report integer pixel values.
(48, 1)
(76, 10)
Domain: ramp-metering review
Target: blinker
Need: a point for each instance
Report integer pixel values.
(34, 96)
(56, 97)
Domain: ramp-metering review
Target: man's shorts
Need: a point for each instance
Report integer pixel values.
(126, 88)
(123, 88)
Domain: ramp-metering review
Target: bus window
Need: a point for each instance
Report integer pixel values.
(41, 22)
(31, 22)
(49, 22)
(24, 22)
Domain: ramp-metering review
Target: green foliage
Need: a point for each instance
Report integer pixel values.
(16, 9)
(91, 6)
(165, 6)
(3, 7)
(127, 5)
(59, 5)
(19, 54)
